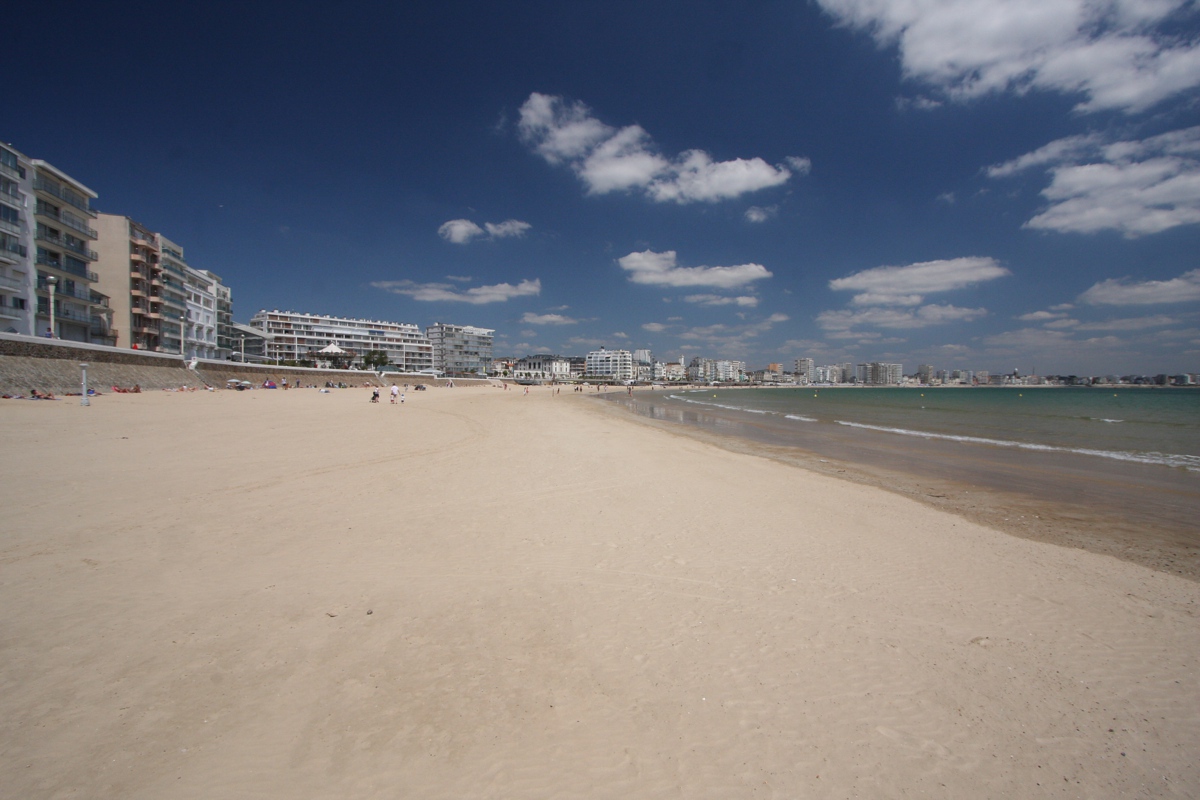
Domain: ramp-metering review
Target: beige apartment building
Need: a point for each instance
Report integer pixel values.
(159, 302)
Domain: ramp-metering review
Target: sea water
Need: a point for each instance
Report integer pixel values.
(1142, 425)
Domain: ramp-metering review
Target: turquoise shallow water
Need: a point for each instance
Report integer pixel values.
(1147, 426)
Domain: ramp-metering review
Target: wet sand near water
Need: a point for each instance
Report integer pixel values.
(1138, 512)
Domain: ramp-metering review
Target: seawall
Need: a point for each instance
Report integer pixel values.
(52, 365)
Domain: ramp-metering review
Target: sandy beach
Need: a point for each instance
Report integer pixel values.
(484, 594)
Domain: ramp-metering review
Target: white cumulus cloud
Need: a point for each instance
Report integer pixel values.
(1137, 187)
(908, 285)
(609, 159)
(659, 269)
(445, 292)
(1113, 54)
(459, 231)
(462, 231)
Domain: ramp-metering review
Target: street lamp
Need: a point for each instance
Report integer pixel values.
(84, 401)
(243, 348)
(51, 283)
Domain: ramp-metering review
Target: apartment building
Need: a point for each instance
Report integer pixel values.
(46, 277)
(460, 349)
(129, 272)
(805, 371)
(709, 370)
(159, 302)
(16, 237)
(879, 373)
(225, 331)
(296, 337)
(614, 364)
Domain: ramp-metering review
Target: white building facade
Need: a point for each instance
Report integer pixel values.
(460, 349)
(294, 337)
(611, 364)
(45, 249)
(542, 368)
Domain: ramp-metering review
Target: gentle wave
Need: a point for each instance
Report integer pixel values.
(1162, 459)
(741, 408)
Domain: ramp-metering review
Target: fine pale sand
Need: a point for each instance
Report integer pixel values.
(483, 594)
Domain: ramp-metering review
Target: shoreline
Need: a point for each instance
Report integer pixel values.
(1038, 503)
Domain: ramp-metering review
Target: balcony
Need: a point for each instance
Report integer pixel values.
(15, 174)
(44, 235)
(8, 312)
(45, 261)
(146, 328)
(11, 251)
(11, 283)
(54, 189)
(64, 313)
(62, 292)
(11, 227)
(78, 225)
(136, 255)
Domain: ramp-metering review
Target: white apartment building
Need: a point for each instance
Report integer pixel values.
(45, 238)
(460, 349)
(614, 364)
(200, 321)
(542, 368)
(294, 337)
(805, 371)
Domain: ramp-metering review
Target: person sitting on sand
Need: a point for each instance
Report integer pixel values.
(375, 396)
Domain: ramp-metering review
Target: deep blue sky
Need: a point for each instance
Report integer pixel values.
(312, 155)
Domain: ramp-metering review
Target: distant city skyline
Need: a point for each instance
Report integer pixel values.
(970, 187)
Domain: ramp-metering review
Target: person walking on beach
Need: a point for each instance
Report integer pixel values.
(395, 393)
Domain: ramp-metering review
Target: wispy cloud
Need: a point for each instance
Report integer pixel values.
(659, 269)
(758, 214)
(746, 301)
(1121, 292)
(609, 159)
(1129, 324)
(547, 319)
(654, 327)
(1137, 187)
(463, 231)
(448, 293)
(923, 317)
(1114, 55)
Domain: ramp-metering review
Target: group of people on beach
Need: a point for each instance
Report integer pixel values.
(395, 393)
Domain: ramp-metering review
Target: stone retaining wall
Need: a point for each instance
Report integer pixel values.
(51, 365)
